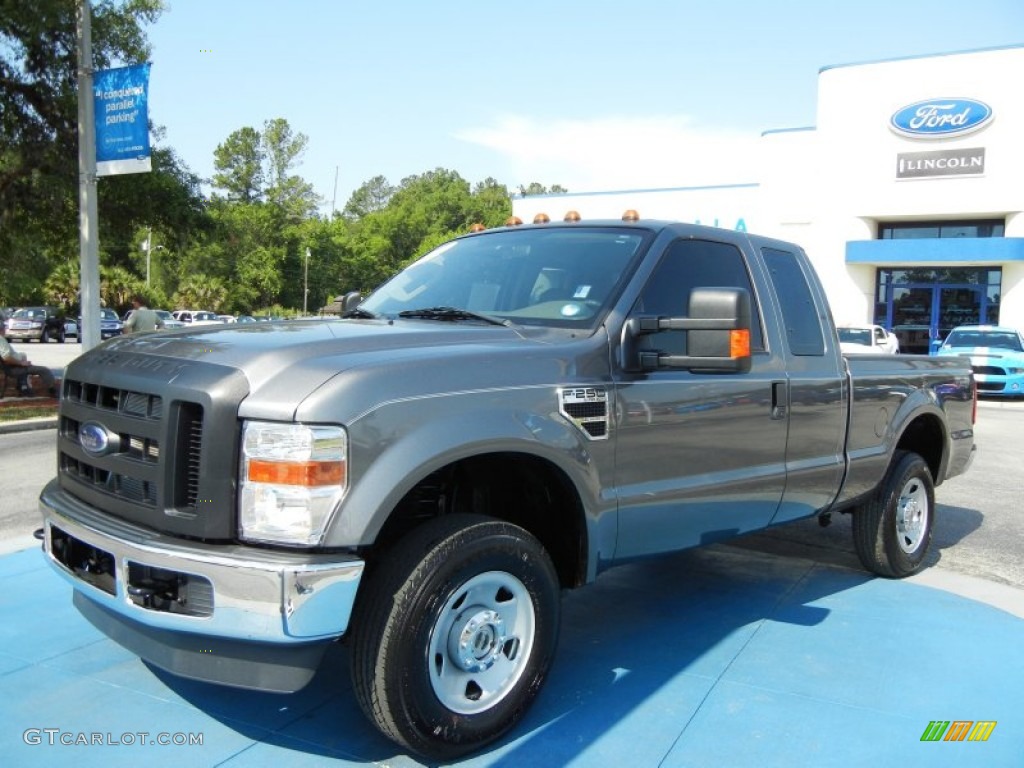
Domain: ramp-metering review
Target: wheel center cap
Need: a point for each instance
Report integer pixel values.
(476, 639)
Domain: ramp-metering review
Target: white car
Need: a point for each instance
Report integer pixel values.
(867, 340)
(192, 317)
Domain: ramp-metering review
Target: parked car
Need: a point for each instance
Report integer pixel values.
(246, 319)
(196, 317)
(70, 328)
(110, 323)
(169, 320)
(39, 323)
(867, 340)
(996, 353)
(5, 313)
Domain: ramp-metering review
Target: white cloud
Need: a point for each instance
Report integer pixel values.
(613, 153)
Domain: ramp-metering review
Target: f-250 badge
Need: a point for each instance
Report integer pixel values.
(587, 408)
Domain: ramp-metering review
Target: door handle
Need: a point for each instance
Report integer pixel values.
(780, 399)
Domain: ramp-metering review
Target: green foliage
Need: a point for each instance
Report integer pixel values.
(199, 291)
(238, 163)
(535, 188)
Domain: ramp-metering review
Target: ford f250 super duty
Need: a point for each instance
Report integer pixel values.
(509, 416)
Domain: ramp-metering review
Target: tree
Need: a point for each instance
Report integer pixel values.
(238, 163)
(201, 292)
(371, 196)
(282, 150)
(535, 188)
(62, 286)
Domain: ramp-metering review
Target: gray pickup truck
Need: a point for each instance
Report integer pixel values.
(516, 412)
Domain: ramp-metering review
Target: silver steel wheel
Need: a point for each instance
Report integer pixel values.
(912, 516)
(481, 642)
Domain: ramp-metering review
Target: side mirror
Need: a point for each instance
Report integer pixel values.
(718, 334)
(350, 301)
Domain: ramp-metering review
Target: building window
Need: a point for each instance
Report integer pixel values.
(909, 230)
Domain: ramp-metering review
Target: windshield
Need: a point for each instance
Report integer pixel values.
(108, 314)
(563, 277)
(995, 339)
(34, 314)
(855, 336)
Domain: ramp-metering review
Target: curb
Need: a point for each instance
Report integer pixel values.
(28, 425)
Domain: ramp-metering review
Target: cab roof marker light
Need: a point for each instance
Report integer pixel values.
(572, 216)
(541, 218)
(631, 215)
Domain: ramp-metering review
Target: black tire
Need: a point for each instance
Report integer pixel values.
(893, 530)
(45, 335)
(62, 335)
(459, 591)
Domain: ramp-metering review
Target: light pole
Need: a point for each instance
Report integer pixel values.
(149, 250)
(305, 285)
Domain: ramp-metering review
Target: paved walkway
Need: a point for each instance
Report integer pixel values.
(713, 657)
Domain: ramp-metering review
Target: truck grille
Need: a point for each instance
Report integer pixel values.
(140, 449)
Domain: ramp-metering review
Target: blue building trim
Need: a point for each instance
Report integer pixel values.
(970, 250)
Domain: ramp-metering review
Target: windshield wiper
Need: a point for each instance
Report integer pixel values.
(452, 313)
(359, 314)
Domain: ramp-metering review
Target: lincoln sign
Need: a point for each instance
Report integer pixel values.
(947, 162)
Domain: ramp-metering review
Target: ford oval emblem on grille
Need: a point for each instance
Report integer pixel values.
(939, 118)
(95, 439)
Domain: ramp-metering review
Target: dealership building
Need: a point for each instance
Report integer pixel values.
(908, 193)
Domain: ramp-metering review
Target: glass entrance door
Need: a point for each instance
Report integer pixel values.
(958, 305)
(912, 307)
(923, 314)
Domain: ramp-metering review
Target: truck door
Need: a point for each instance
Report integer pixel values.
(818, 399)
(699, 456)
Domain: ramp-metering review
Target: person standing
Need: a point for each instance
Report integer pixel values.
(143, 318)
(18, 364)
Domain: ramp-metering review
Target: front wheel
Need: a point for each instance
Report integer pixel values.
(454, 634)
(893, 530)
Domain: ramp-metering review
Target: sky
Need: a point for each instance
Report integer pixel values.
(592, 95)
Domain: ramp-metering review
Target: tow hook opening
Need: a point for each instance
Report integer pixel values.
(160, 589)
(91, 564)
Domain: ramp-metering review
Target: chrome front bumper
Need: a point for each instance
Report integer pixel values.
(257, 595)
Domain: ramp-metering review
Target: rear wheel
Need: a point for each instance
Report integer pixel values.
(893, 530)
(454, 634)
(45, 335)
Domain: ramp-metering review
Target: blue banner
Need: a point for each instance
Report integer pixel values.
(121, 98)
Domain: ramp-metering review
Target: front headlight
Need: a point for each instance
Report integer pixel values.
(293, 477)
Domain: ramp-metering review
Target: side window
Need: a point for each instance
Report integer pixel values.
(689, 264)
(803, 326)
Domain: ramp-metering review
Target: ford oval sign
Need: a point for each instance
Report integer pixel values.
(940, 118)
(95, 439)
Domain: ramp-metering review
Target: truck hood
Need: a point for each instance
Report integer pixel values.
(285, 363)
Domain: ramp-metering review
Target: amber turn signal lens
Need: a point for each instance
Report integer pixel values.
(739, 343)
(304, 473)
